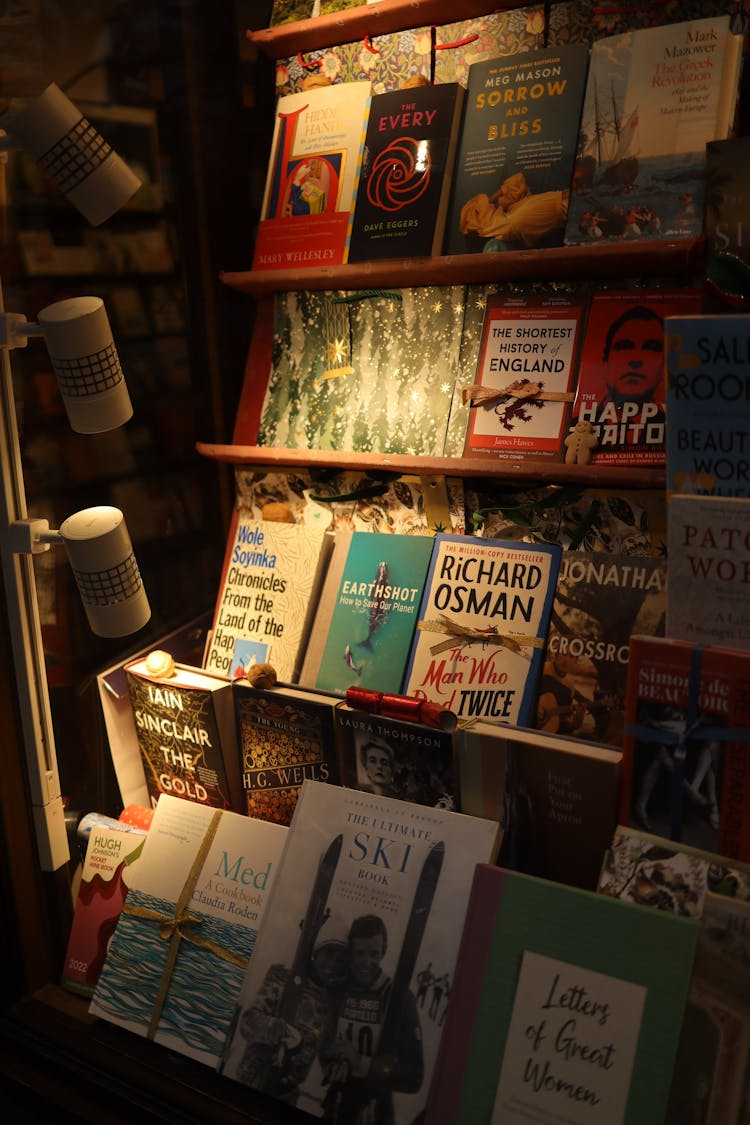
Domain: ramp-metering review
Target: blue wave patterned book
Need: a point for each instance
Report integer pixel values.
(179, 952)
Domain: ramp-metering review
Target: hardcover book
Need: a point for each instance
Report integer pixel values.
(184, 721)
(479, 645)
(708, 366)
(640, 168)
(402, 197)
(525, 378)
(621, 393)
(188, 927)
(559, 1014)
(316, 152)
(516, 151)
(724, 221)
(270, 581)
(285, 735)
(355, 1038)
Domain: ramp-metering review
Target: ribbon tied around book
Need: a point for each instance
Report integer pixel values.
(459, 636)
(522, 389)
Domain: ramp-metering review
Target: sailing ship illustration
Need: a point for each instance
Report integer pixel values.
(608, 148)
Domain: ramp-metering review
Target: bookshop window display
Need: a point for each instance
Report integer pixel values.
(445, 683)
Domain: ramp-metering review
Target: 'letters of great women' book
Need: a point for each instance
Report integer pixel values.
(516, 151)
(654, 98)
(354, 1037)
(188, 927)
(708, 370)
(483, 621)
(567, 1007)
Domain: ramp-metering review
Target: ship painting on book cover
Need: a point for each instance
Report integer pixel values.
(479, 645)
(521, 402)
(516, 151)
(342, 1014)
(620, 394)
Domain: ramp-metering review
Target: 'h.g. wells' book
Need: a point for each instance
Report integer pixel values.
(402, 197)
(708, 405)
(483, 621)
(516, 151)
(188, 927)
(386, 879)
(560, 1014)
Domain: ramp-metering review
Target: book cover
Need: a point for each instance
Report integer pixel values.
(724, 221)
(270, 580)
(621, 393)
(316, 152)
(514, 165)
(375, 615)
(563, 1020)
(396, 758)
(654, 98)
(354, 1037)
(184, 721)
(708, 366)
(600, 600)
(525, 377)
(708, 568)
(284, 736)
(483, 621)
(189, 926)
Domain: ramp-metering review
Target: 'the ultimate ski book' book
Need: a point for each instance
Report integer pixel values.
(708, 371)
(516, 151)
(402, 198)
(483, 621)
(342, 1007)
(655, 97)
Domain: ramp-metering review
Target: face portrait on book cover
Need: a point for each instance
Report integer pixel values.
(633, 356)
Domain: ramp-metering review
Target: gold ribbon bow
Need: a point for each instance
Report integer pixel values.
(460, 636)
(477, 395)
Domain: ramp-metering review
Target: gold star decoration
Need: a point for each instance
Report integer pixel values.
(336, 351)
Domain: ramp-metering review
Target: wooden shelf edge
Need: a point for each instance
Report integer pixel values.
(566, 263)
(552, 472)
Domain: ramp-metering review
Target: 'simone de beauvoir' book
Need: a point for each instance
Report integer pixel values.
(184, 721)
(516, 151)
(311, 185)
(402, 197)
(285, 735)
(708, 404)
(529, 350)
(483, 622)
(620, 392)
(343, 1004)
(568, 1007)
(655, 96)
(188, 927)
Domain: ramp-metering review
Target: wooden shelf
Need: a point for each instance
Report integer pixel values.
(548, 472)
(566, 263)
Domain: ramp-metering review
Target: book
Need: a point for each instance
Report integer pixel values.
(189, 926)
(284, 735)
(529, 351)
(479, 645)
(184, 722)
(392, 876)
(707, 365)
(724, 223)
(271, 576)
(396, 758)
(621, 393)
(404, 183)
(708, 601)
(600, 600)
(516, 151)
(311, 184)
(654, 98)
(288, 11)
(568, 1007)
(375, 613)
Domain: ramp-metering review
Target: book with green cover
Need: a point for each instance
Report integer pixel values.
(566, 1007)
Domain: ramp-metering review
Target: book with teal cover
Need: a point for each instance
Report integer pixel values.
(375, 614)
(566, 1006)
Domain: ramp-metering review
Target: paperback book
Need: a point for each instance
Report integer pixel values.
(354, 1037)
(725, 222)
(188, 927)
(479, 643)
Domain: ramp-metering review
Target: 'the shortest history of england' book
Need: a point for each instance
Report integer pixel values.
(188, 927)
